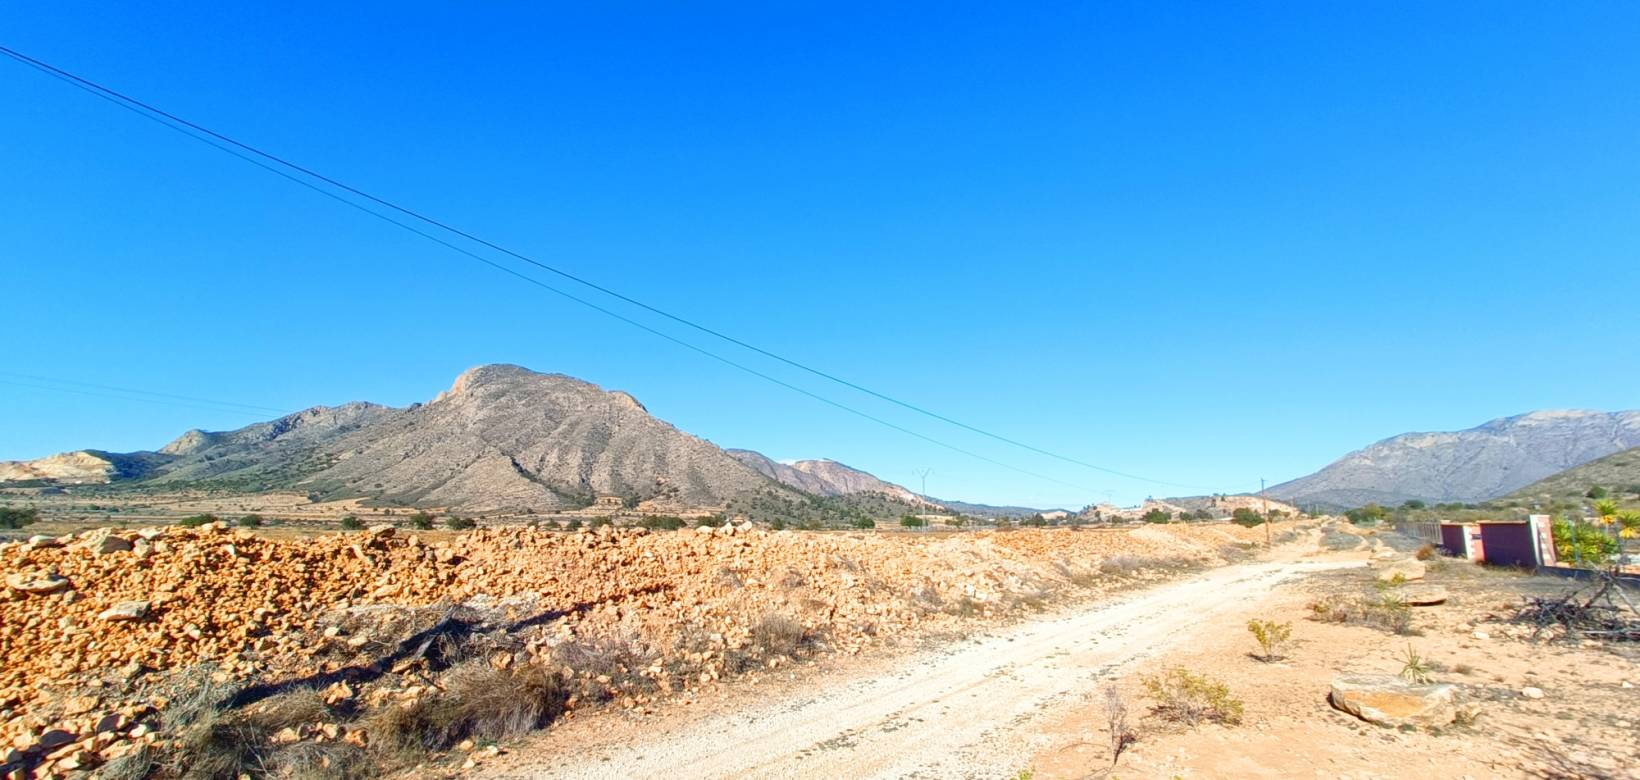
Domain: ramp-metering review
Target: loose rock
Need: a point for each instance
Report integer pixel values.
(1388, 700)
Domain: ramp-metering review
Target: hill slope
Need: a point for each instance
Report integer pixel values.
(1477, 464)
(823, 477)
(503, 437)
(1618, 473)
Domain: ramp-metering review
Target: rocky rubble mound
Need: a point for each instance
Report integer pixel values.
(98, 628)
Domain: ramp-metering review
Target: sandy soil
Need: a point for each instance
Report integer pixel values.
(974, 708)
(1026, 700)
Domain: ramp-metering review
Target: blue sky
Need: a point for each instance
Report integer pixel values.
(1203, 245)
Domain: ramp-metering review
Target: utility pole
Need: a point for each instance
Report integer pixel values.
(1266, 496)
(924, 494)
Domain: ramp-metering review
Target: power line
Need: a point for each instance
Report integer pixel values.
(159, 401)
(55, 380)
(179, 124)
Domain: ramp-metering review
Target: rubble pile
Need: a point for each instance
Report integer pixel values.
(90, 624)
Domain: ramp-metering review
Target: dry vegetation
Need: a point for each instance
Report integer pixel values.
(213, 652)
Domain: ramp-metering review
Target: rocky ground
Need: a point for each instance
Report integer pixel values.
(210, 651)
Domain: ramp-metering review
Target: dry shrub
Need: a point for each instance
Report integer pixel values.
(1184, 697)
(479, 702)
(778, 635)
(1387, 612)
(616, 659)
(1124, 565)
(1425, 552)
(1116, 722)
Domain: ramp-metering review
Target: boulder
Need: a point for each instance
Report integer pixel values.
(1420, 595)
(41, 542)
(1407, 568)
(126, 610)
(382, 531)
(38, 583)
(1388, 700)
(104, 542)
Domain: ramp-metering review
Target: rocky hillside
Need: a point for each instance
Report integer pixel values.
(503, 437)
(1477, 464)
(1618, 474)
(824, 477)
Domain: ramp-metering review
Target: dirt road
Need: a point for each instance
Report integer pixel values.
(964, 710)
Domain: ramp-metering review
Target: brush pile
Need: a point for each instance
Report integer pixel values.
(1600, 609)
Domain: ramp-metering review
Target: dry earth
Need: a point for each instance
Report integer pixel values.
(1026, 701)
(105, 631)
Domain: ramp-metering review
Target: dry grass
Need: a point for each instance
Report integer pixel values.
(479, 702)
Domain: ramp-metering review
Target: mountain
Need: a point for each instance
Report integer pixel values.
(1477, 464)
(1618, 473)
(823, 477)
(502, 437)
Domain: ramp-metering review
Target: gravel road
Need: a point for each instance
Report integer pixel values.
(965, 710)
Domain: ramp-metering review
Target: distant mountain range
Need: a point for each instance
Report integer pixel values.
(507, 438)
(1477, 464)
(501, 438)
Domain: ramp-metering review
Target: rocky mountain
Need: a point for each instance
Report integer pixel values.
(1618, 474)
(824, 477)
(1476, 464)
(503, 437)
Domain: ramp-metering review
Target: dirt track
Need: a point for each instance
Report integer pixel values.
(964, 710)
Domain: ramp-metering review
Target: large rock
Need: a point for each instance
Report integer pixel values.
(1407, 568)
(1420, 595)
(126, 610)
(104, 542)
(1388, 700)
(37, 582)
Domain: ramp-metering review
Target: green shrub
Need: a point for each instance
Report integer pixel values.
(250, 521)
(422, 521)
(913, 521)
(1157, 516)
(1579, 541)
(1246, 517)
(713, 521)
(458, 523)
(351, 523)
(197, 521)
(1184, 697)
(1367, 515)
(11, 518)
(1272, 637)
(863, 523)
(777, 524)
(1596, 492)
(574, 524)
(662, 523)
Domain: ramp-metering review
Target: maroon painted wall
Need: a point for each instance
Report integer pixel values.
(1452, 538)
(1509, 544)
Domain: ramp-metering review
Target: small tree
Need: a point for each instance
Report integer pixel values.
(1246, 517)
(458, 523)
(1596, 492)
(250, 521)
(421, 521)
(864, 523)
(1272, 638)
(17, 518)
(913, 521)
(351, 523)
(1157, 516)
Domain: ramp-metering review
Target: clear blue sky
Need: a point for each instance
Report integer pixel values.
(1200, 244)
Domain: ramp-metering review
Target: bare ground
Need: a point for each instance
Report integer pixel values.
(1024, 701)
(972, 708)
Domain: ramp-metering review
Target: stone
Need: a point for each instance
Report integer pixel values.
(1477, 634)
(1407, 569)
(1532, 693)
(104, 542)
(1420, 595)
(126, 610)
(37, 583)
(382, 531)
(1388, 700)
(41, 542)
